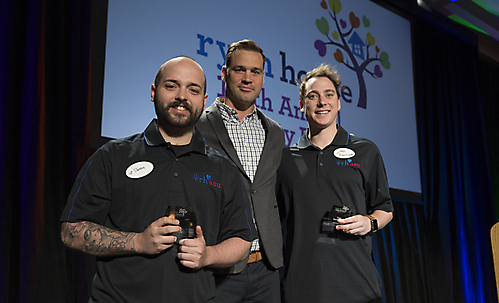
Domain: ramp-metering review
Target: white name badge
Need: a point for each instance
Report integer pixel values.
(343, 153)
(139, 170)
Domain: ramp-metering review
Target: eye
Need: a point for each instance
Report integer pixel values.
(238, 70)
(170, 86)
(195, 90)
(256, 72)
(312, 96)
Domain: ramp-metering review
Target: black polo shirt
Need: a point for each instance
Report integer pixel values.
(128, 183)
(333, 267)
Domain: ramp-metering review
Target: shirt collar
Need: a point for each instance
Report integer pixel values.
(340, 139)
(228, 113)
(153, 138)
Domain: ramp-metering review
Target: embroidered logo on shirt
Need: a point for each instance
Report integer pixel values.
(348, 163)
(207, 180)
(343, 153)
(139, 170)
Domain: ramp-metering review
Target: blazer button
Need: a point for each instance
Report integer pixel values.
(253, 191)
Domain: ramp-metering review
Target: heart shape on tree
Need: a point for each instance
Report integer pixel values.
(370, 39)
(354, 20)
(322, 25)
(343, 23)
(338, 56)
(377, 71)
(324, 4)
(366, 21)
(321, 47)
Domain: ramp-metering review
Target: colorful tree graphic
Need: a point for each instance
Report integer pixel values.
(350, 47)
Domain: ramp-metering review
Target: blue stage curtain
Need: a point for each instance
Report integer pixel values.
(489, 89)
(44, 90)
(439, 250)
(457, 191)
(399, 252)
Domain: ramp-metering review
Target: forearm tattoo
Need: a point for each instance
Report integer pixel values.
(98, 240)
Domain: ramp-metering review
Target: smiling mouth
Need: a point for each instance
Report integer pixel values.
(322, 112)
(179, 106)
(245, 88)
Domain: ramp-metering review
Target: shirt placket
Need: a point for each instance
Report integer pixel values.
(320, 164)
(175, 193)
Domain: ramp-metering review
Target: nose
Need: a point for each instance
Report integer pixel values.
(247, 76)
(321, 100)
(181, 94)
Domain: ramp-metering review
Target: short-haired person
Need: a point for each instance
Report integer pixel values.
(235, 127)
(116, 208)
(330, 174)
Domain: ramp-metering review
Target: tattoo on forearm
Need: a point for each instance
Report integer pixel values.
(98, 240)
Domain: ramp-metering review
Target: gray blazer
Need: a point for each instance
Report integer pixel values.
(262, 190)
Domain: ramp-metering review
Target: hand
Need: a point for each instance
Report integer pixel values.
(355, 225)
(154, 239)
(193, 252)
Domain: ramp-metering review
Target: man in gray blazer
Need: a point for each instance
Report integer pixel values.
(233, 126)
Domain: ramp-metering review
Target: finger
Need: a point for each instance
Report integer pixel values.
(169, 240)
(199, 232)
(188, 243)
(187, 257)
(189, 264)
(170, 220)
(341, 221)
(171, 229)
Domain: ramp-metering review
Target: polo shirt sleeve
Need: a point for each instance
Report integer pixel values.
(378, 196)
(235, 217)
(90, 197)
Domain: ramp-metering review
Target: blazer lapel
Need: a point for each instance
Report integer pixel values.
(213, 116)
(268, 161)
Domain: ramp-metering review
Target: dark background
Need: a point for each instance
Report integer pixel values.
(435, 250)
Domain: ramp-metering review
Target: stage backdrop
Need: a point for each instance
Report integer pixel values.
(369, 44)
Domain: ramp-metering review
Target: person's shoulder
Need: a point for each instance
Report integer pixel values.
(359, 142)
(219, 158)
(212, 108)
(212, 111)
(268, 120)
(135, 138)
(289, 151)
(122, 143)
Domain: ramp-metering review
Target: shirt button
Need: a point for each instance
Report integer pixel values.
(175, 174)
(321, 164)
(176, 159)
(321, 153)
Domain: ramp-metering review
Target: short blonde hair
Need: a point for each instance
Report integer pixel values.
(323, 70)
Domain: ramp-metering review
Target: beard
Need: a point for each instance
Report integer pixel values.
(176, 120)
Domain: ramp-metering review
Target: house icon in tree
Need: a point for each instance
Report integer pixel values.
(357, 45)
(350, 46)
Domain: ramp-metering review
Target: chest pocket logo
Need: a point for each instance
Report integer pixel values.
(343, 153)
(139, 170)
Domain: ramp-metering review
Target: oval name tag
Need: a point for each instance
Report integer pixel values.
(139, 170)
(343, 153)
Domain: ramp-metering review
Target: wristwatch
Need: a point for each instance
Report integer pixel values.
(374, 223)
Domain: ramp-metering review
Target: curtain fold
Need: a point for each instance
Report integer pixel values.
(44, 88)
(399, 251)
(489, 89)
(456, 177)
